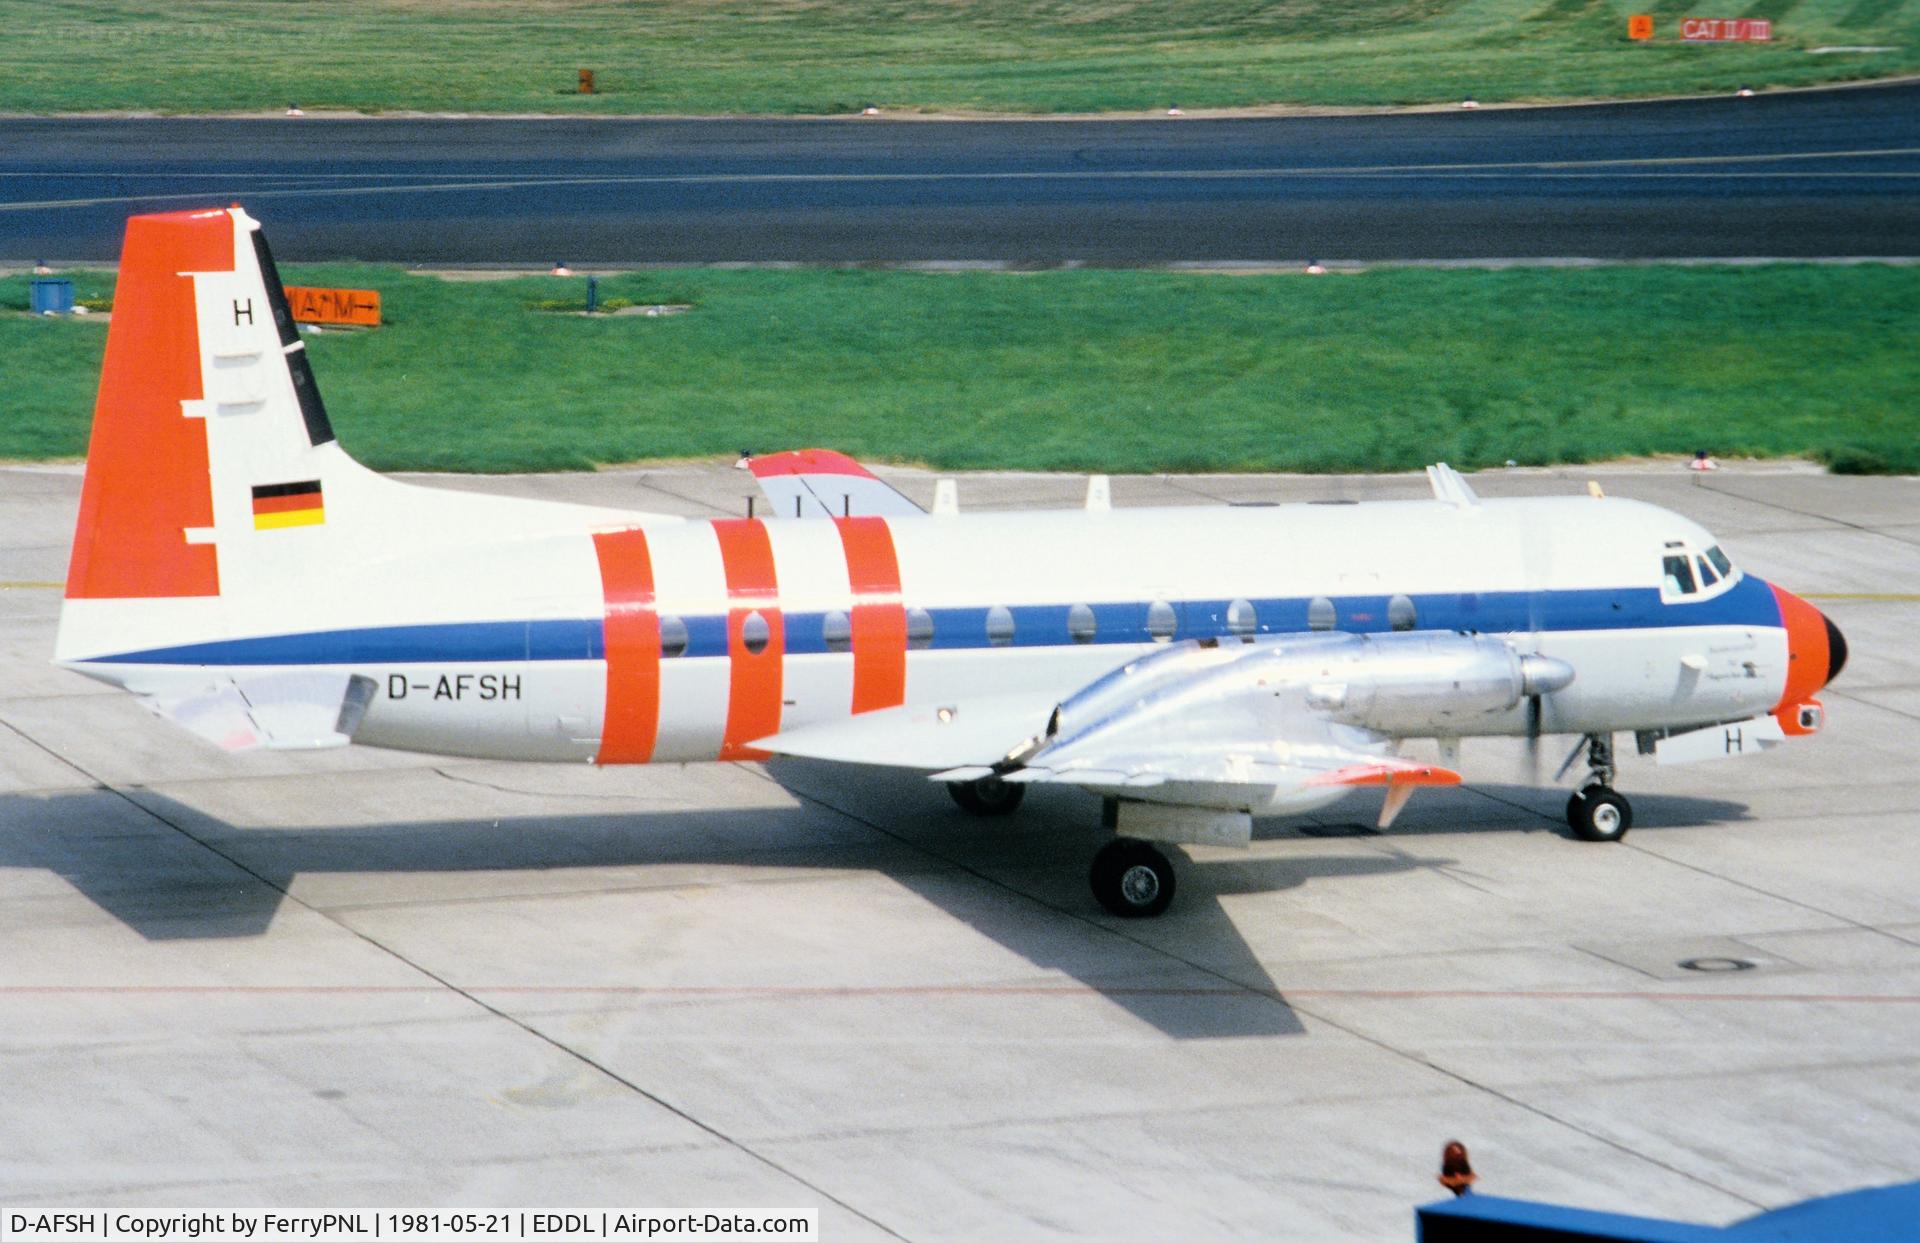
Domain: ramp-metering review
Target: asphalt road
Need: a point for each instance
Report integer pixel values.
(1834, 173)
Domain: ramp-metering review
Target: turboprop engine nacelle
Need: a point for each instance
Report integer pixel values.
(1418, 684)
(1269, 691)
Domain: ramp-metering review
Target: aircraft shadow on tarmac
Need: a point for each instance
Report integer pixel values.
(178, 873)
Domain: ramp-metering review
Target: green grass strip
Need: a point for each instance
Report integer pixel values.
(827, 56)
(1118, 371)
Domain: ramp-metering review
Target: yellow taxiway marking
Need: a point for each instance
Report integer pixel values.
(19, 584)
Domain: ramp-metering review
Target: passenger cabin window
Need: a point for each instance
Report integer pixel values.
(1161, 621)
(755, 633)
(673, 636)
(999, 625)
(836, 631)
(1080, 624)
(1400, 613)
(1241, 619)
(1320, 614)
(1679, 575)
(919, 628)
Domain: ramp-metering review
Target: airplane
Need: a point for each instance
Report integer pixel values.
(1193, 667)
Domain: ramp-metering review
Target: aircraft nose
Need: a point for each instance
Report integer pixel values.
(1816, 652)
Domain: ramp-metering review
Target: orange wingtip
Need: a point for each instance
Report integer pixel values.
(1388, 773)
(806, 462)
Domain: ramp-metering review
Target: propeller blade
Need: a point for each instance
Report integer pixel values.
(1533, 739)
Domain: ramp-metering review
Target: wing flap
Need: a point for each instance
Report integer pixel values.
(965, 734)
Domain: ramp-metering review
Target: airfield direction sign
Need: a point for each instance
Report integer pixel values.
(1726, 30)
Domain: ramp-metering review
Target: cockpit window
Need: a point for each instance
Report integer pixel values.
(1679, 574)
(1720, 561)
(1707, 577)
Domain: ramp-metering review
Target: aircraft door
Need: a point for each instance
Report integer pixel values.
(562, 681)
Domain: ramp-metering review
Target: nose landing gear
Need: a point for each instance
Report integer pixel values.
(1597, 812)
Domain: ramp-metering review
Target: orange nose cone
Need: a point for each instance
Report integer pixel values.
(1816, 652)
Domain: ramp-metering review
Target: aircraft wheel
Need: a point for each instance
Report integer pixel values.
(1132, 879)
(989, 796)
(1599, 814)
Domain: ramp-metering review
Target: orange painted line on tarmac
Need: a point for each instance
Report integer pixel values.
(948, 990)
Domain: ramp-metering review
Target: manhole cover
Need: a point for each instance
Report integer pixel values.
(1715, 964)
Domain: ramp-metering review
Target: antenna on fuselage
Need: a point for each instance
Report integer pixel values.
(1451, 487)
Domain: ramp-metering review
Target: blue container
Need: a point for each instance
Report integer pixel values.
(51, 294)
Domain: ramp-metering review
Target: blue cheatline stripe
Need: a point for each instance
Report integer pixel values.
(1750, 602)
(451, 642)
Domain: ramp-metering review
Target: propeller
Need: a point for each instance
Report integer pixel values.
(1533, 740)
(1540, 675)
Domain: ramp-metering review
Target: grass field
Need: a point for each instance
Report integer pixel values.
(827, 56)
(1087, 370)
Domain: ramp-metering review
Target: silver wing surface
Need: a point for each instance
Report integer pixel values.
(1266, 724)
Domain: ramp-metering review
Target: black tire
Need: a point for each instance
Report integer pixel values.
(989, 796)
(1132, 879)
(1599, 814)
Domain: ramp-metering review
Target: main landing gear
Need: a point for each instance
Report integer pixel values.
(988, 796)
(1597, 812)
(1131, 878)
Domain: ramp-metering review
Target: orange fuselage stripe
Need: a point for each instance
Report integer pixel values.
(753, 691)
(879, 618)
(147, 479)
(631, 630)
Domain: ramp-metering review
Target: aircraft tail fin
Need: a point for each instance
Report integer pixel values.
(216, 500)
(206, 400)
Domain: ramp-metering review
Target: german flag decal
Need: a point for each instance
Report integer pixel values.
(277, 505)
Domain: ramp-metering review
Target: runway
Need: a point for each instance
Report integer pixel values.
(364, 978)
(1832, 173)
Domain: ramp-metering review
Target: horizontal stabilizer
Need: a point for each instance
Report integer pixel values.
(278, 712)
(820, 483)
(966, 734)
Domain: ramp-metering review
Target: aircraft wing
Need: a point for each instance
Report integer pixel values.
(969, 733)
(820, 483)
(1283, 722)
